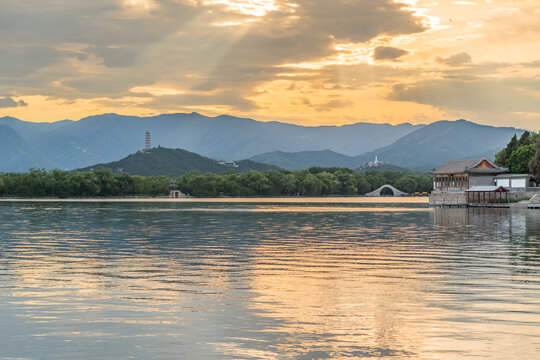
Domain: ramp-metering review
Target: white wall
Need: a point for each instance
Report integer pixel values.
(519, 183)
(512, 183)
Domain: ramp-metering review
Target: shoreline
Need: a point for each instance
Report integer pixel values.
(296, 200)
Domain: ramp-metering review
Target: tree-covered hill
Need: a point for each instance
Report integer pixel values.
(174, 162)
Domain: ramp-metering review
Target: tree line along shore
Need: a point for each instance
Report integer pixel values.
(102, 182)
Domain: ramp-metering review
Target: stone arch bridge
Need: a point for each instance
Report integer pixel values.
(393, 189)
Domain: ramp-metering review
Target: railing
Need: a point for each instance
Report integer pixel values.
(451, 189)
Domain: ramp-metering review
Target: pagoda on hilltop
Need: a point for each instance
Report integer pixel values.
(147, 145)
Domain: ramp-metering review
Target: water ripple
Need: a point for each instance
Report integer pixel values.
(267, 280)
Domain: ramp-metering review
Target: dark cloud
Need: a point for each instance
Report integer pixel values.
(476, 70)
(358, 20)
(455, 60)
(317, 25)
(8, 102)
(96, 22)
(533, 64)
(388, 53)
(114, 48)
(114, 56)
(23, 60)
(333, 104)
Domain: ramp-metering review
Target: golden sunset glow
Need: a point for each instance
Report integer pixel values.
(247, 7)
(305, 62)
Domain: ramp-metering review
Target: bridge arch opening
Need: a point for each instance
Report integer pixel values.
(386, 191)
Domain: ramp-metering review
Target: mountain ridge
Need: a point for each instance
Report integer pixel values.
(444, 140)
(105, 138)
(108, 137)
(455, 140)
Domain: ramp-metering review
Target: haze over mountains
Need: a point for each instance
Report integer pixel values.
(325, 158)
(441, 141)
(110, 137)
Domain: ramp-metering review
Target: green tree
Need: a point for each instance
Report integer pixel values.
(282, 183)
(518, 162)
(256, 182)
(535, 162)
(202, 185)
(502, 156)
(126, 184)
(362, 185)
(310, 186)
(107, 182)
(330, 181)
(290, 185)
(525, 139)
(424, 183)
(407, 184)
(347, 182)
(392, 176)
(375, 179)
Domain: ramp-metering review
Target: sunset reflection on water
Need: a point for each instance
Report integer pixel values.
(267, 281)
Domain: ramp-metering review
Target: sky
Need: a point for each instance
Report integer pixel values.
(308, 62)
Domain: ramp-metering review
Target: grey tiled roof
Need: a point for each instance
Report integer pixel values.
(456, 166)
(487, 171)
(465, 166)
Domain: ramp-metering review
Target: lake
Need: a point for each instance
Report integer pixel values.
(267, 279)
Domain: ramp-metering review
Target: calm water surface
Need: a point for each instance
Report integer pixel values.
(267, 280)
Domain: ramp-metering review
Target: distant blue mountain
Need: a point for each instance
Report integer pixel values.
(324, 158)
(109, 137)
(423, 149)
(435, 144)
(16, 154)
(306, 159)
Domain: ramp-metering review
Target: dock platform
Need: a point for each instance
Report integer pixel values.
(468, 205)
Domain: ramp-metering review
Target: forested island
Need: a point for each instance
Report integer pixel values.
(103, 182)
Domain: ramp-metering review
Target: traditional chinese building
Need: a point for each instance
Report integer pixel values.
(461, 175)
